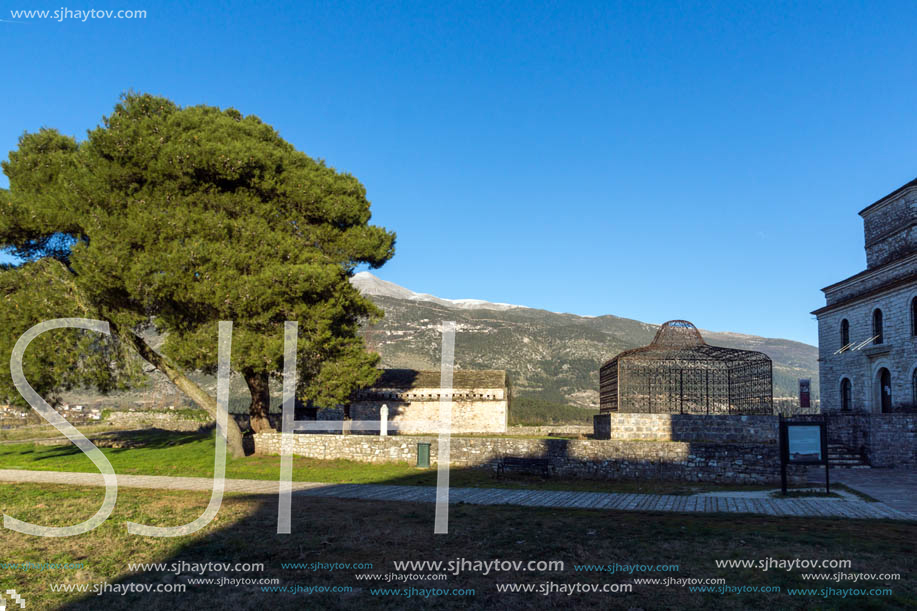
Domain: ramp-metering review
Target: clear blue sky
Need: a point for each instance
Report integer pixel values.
(650, 160)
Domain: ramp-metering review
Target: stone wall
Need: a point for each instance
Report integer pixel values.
(556, 430)
(159, 420)
(889, 228)
(169, 421)
(724, 463)
(686, 427)
(177, 422)
(892, 440)
(897, 244)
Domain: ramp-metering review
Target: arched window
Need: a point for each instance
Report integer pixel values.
(877, 325)
(845, 332)
(846, 395)
(914, 316)
(885, 390)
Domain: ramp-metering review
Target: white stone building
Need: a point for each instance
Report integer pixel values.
(479, 400)
(867, 331)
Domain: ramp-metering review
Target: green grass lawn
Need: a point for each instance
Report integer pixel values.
(348, 531)
(191, 455)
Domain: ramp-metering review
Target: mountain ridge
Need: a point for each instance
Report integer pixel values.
(368, 284)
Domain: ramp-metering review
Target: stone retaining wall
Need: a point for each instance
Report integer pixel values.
(725, 463)
(686, 427)
(892, 440)
(556, 430)
(884, 440)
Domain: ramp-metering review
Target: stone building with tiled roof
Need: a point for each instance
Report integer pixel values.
(479, 400)
(867, 331)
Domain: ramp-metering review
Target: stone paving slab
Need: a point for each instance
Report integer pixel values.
(814, 507)
(896, 488)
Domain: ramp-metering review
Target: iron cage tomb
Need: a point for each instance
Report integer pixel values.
(679, 373)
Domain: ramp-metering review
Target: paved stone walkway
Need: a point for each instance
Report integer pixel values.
(897, 488)
(812, 507)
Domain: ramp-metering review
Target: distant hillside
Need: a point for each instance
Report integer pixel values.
(551, 356)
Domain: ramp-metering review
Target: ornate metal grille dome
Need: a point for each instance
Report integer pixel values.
(679, 373)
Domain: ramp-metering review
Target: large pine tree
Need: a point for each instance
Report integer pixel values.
(182, 217)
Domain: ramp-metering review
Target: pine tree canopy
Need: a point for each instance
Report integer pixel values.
(182, 217)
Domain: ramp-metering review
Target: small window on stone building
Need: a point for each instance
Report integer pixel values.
(877, 326)
(845, 332)
(914, 316)
(846, 395)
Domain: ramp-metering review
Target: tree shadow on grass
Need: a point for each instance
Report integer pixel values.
(120, 441)
(324, 530)
(341, 530)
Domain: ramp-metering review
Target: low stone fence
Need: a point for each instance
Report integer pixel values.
(686, 427)
(701, 462)
(160, 420)
(169, 421)
(549, 429)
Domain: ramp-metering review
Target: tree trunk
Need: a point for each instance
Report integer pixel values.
(191, 390)
(346, 425)
(261, 400)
